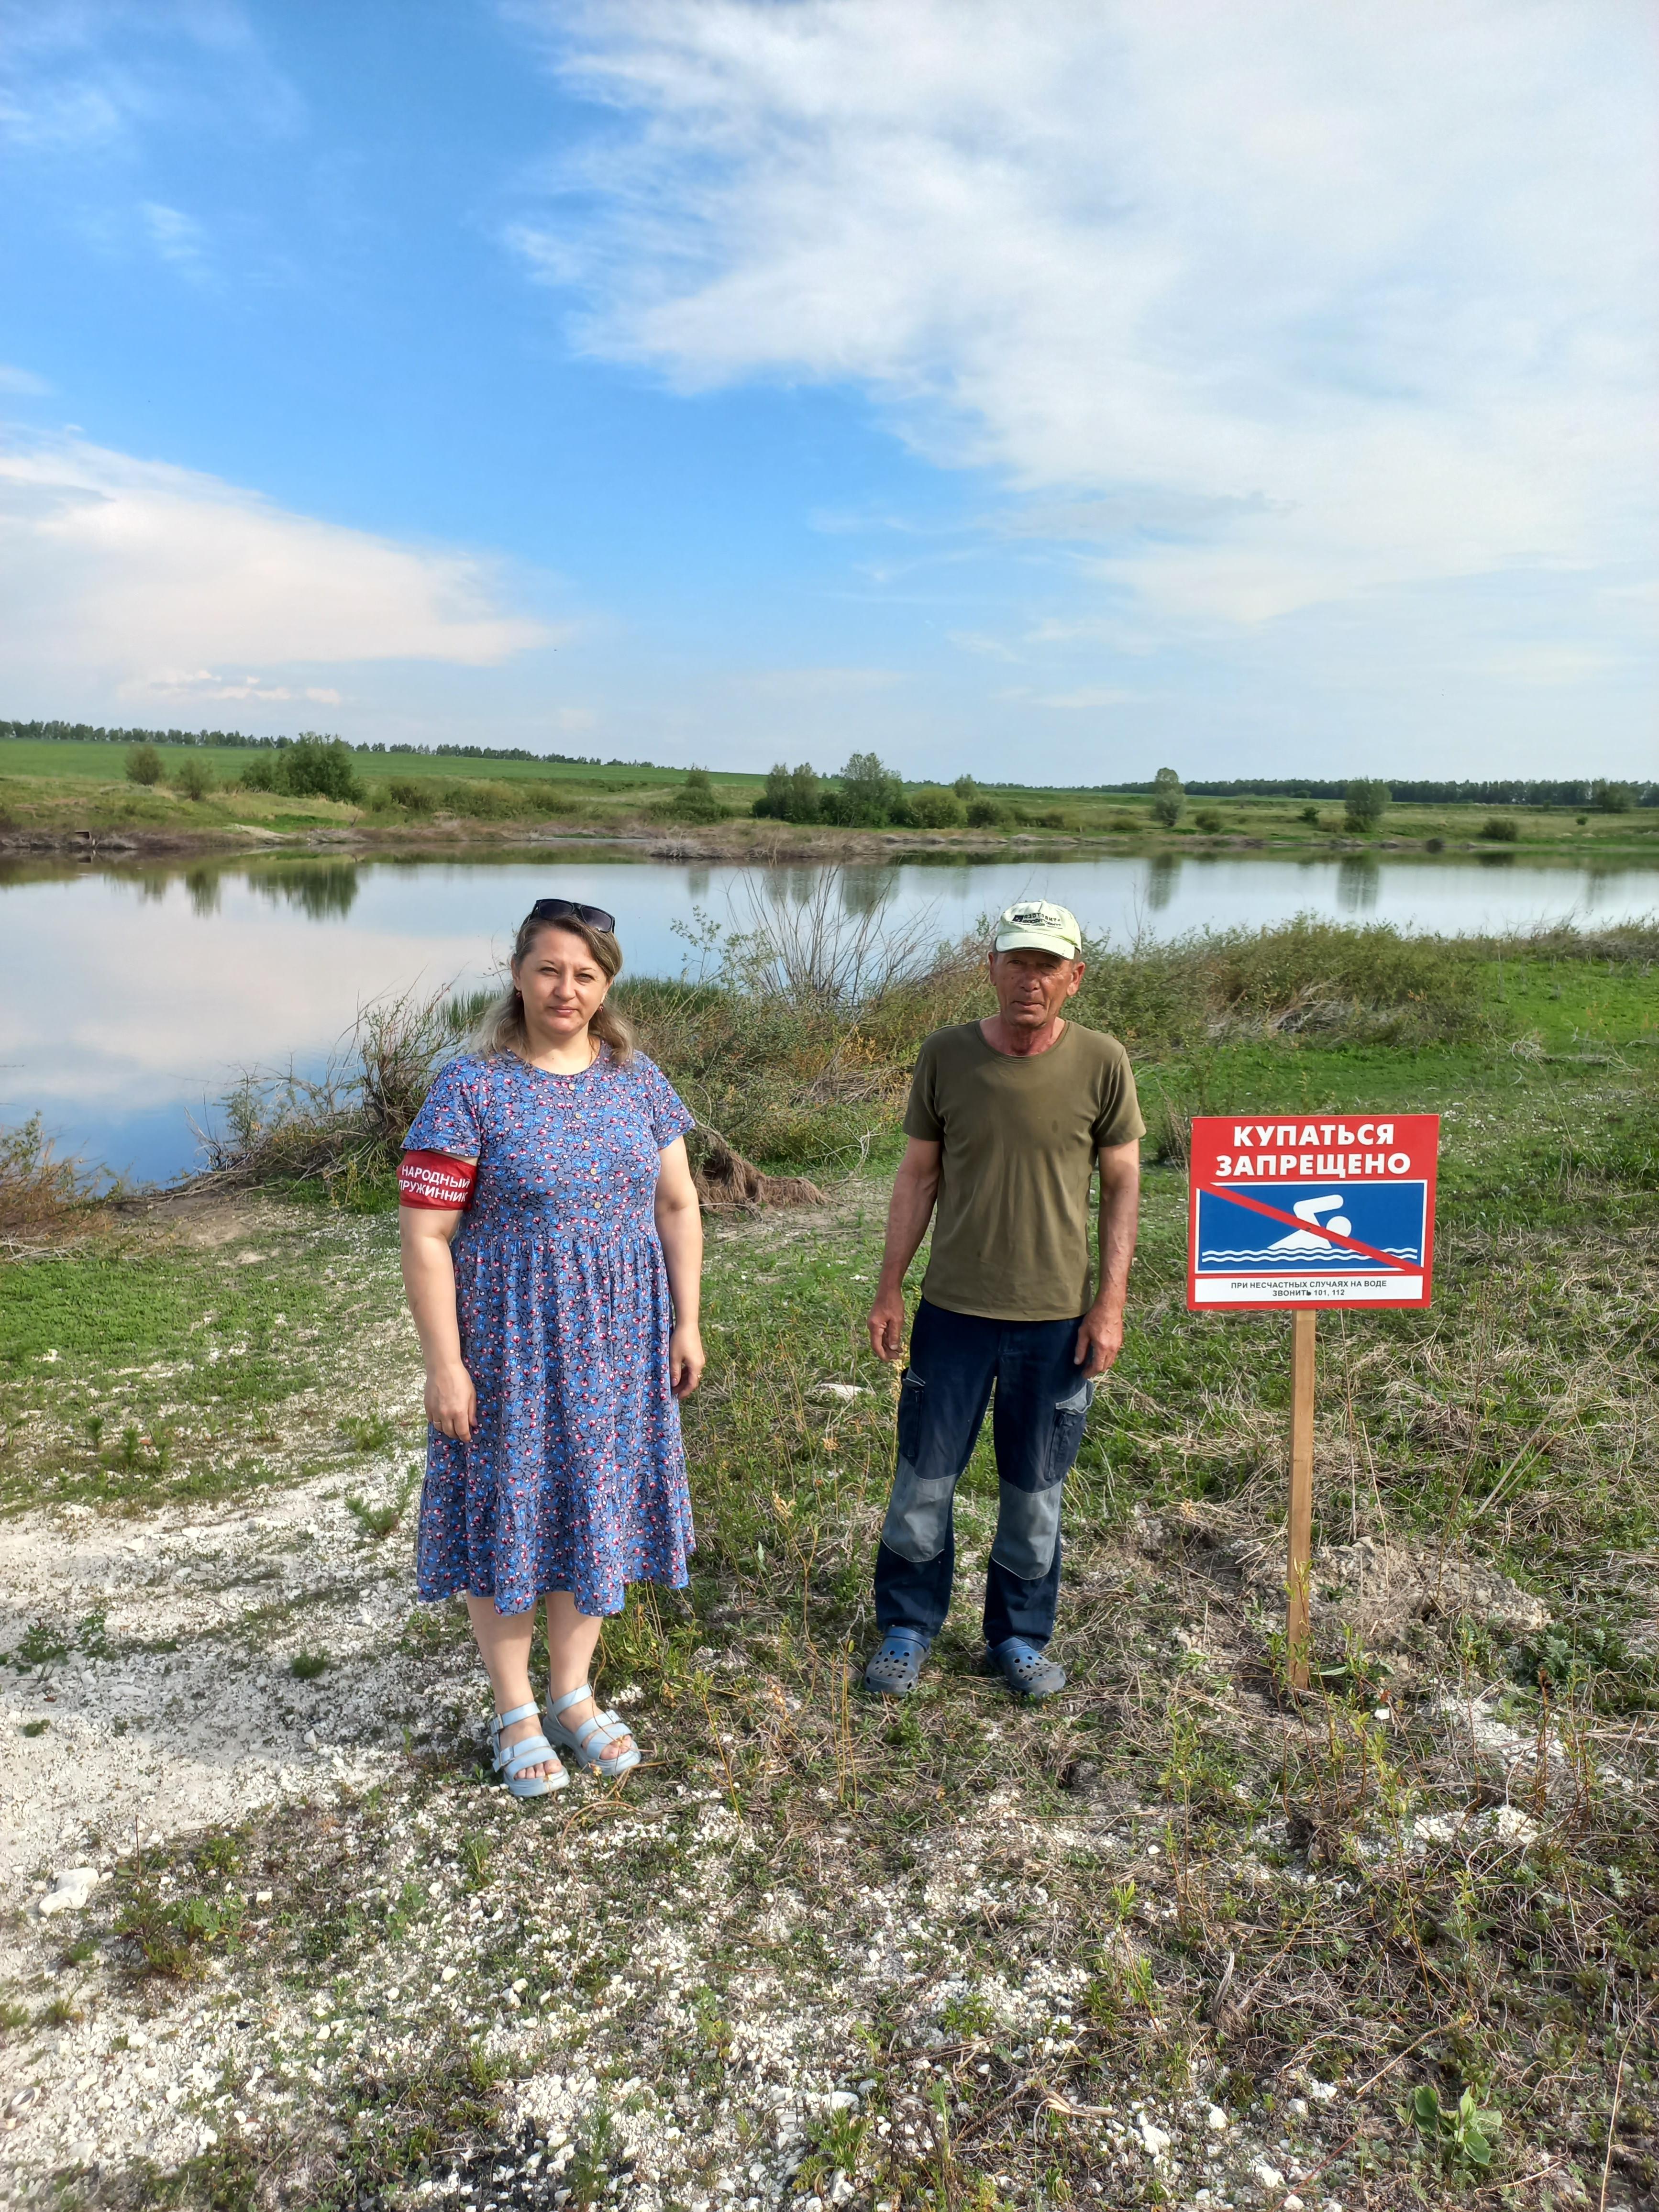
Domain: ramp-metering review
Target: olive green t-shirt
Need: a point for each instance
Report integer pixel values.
(1018, 1139)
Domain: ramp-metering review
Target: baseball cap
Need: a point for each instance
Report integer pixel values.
(1043, 928)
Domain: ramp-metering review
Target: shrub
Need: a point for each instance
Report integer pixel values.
(936, 809)
(1167, 798)
(317, 768)
(986, 814)
(791, 793)
(311, 767)
(1309, 814)
(871, 795)
(1367, 801)
(193, 778)
(1208, 820)
(413, 798)
(965, 788)
(144, 765)
(1502, 829)
(695, 801)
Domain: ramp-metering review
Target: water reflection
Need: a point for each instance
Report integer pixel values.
(325, 889)
(1357, 876)
(1163, 879)
(866, 890)
(202, 887)
(1496, 859)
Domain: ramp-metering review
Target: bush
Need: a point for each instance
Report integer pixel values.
(1208, 820)
(694, 800)
(1167, 798)
(413, 798)
(1367, 801)
(144, 765)
(311, 767)
(1502, 829)
(965, 788)
(1612, 798)
(792, 794)
(193, 778)
(870, 796)
(936, 809)
(986, 814)
(317, 768)
(1309, 814)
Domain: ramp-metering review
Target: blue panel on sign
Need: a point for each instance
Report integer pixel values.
(1386, 1216)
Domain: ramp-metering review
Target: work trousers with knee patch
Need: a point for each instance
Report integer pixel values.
(1041, 1404)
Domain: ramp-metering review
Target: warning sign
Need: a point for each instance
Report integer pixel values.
(1312, 1214)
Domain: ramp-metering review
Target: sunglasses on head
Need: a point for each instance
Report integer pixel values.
(561, 910)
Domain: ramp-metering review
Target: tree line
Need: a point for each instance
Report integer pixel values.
(1502, 791)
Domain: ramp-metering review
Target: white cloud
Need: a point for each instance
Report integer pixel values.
(1279, 308)
(138, 579)
(177, 238)
(22, 382)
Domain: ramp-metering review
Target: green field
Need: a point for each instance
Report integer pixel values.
(60, 791)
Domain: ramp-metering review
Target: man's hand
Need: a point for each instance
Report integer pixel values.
(887, 1324)
(451, 1403)
(1099, 1340)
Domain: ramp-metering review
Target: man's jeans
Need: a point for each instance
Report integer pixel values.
(1042, 1403)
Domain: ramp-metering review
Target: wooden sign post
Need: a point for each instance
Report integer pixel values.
(1303, 1214)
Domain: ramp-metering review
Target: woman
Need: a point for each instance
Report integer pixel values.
(552, 1253)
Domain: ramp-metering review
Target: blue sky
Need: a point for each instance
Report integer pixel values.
(1048, 393)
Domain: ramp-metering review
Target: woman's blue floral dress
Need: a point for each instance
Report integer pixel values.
(575, 1479)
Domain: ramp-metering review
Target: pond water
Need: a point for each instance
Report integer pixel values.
(135, 997)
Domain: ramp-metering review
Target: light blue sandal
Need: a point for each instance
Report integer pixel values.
(589, 1738)
(529, 1751)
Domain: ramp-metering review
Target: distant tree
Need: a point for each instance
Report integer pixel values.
(965, 787)
(1167, 797)
(313, 767)
(792, 794)
(936, 809)
(1612, 798)
(870, 794)
(1367, 801)
(697, 799)
(193, 778)
(144, 765)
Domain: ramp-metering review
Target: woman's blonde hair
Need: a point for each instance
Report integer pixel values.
(502, 1027)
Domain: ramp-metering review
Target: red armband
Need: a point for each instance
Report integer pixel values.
(434, 1180)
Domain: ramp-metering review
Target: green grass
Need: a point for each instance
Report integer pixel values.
(63, 786)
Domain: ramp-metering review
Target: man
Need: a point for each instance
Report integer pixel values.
(1007, 1122)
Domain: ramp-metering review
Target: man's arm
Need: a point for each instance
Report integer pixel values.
(914, 1188)
(1100, 1337)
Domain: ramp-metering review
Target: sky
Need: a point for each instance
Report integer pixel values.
(1051, 393)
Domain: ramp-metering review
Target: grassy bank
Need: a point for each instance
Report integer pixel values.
(53, 793)
(1172, 1934)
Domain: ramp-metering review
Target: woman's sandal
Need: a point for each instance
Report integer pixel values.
(589, 1738)
(529, 1751)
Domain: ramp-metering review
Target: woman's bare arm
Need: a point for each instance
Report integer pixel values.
(452, 1404)
(679, 1226)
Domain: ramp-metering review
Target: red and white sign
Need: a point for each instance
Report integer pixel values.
(1331, 1211)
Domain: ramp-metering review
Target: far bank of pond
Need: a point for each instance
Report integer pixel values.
(141, 990)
